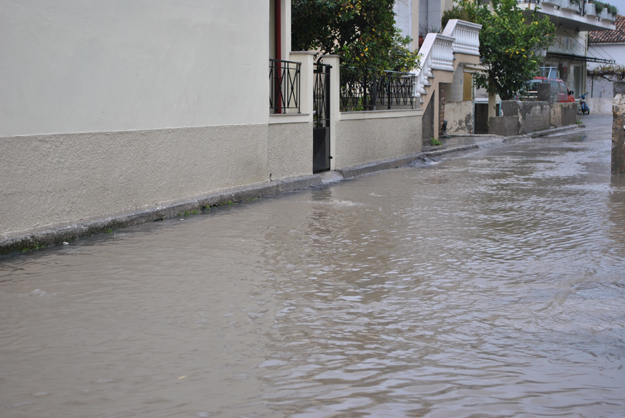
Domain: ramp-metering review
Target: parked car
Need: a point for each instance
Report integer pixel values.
(559, 91)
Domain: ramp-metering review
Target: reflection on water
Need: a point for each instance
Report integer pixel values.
(490, 284)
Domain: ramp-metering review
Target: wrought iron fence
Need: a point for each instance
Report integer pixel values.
(391, 90)
(284, 86)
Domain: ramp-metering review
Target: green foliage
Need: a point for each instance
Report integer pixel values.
(510, 45)
(435, 142)
(611, 72)
(599, 6)
(362, 32)
(612, 10)
(456, 12)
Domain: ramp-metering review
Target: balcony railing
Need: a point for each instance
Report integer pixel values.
(578, 9)
(391, 90)
(284, 86)
(436, 54)
(466, 36)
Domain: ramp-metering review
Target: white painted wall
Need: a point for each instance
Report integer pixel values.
(430, 14)
(407, 19)
(403, 16)
(600, 105)
(92, 66)
(569, 42)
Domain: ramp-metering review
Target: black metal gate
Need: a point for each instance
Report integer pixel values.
(321, 118)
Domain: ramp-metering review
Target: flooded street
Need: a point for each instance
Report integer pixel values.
(489, 284)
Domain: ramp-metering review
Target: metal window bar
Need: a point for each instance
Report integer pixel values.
(390, 90)
(284, 86)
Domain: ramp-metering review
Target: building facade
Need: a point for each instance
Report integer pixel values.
(116, 108)
(573, 19)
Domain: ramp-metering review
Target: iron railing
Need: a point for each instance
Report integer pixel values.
(284, 86)
(390, 90)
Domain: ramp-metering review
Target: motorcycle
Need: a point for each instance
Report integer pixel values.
(583, 107)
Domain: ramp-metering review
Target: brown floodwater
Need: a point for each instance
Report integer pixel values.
(487, 284)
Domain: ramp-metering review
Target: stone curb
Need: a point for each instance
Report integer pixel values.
(56, 235)
(544, 133)
(359, 170)
(437, 153)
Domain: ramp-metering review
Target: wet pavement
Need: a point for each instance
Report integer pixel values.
(487, 284)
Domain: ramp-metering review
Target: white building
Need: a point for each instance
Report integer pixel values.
(118, 108)
(573, 20)
(445, 81)
(610, 46)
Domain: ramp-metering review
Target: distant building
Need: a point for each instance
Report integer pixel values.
(609, 45)
(573, 21)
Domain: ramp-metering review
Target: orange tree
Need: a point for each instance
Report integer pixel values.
(511, 44)
(362, 32)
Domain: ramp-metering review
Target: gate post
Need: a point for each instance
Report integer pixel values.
(335, 101)
(307, 78)
(618, 128)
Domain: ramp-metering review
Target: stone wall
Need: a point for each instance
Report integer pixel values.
(503, 125)
(533, 116)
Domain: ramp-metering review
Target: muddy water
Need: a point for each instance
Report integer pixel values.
(490, 284)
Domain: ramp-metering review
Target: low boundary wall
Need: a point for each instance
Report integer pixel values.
(289, 150)
(54, 179)
(365, 137)
(532, 116)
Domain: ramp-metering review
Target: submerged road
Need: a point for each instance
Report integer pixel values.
(488, 284)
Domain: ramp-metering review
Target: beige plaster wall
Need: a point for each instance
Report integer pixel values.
(290, 150)
(118, 65)
(55, 179)
(459, 117)
(361, 141)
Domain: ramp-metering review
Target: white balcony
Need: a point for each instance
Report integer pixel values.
(552, 3)
(466, 36)
(567, 14)
(570, 5)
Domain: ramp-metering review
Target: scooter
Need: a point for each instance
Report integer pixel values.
(583, 107)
